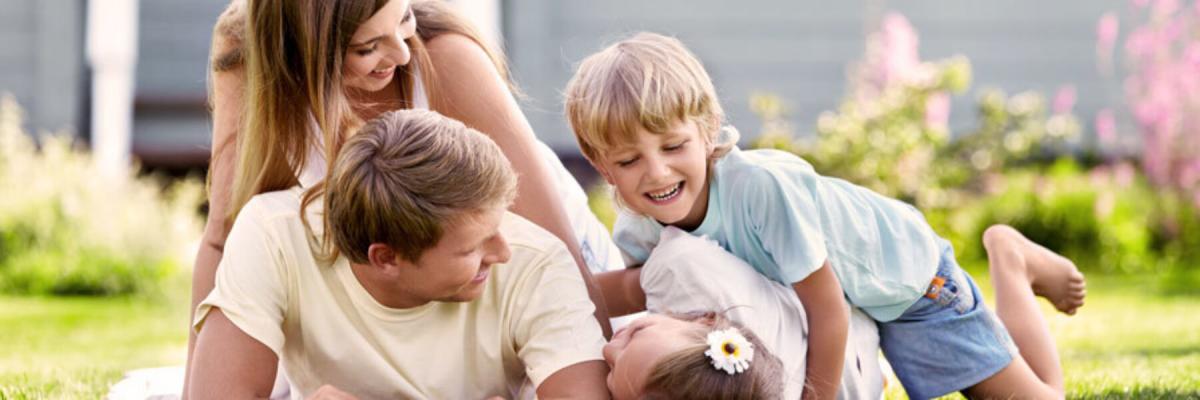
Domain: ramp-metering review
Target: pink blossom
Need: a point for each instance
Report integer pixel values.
(1163, 8)
(937, 111)
(1140, 43)
(1106, 127)
(1099, 176)
(1191, 56)
(1190, 176)
(1149, 113)
(1064, 99)
(1106, 37)
(1123, 173)
(900, 45)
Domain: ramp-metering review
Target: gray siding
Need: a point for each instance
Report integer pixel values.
(797, 49)
(171, 121)
(41, 61)
(801, 50)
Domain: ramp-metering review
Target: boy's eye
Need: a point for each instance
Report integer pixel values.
(626, 162)
(676, 146)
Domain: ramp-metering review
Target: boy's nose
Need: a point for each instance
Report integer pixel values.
(657, 169)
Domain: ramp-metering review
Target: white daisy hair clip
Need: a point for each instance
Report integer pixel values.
(729, 351)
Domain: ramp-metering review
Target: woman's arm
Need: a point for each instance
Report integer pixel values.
(228, 82)
(473, 92)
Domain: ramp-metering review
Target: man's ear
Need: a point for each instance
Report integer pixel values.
(384, 259)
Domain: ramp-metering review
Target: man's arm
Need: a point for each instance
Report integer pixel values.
(829, 323)
(584, 380)
(229, 364)
(622, 291)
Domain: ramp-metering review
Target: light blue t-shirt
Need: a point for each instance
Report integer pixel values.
(772, 210)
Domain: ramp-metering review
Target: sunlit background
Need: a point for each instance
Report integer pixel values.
(1078, 122)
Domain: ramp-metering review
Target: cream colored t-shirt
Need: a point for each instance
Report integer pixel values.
(533, 318)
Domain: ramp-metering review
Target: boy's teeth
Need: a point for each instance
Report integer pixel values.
(665, 193)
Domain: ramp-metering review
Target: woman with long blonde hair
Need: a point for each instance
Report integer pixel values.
(291, 80)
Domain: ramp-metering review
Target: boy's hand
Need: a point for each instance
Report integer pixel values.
(829, 323)
(622, 290)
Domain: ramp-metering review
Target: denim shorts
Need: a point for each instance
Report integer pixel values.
(948, 340)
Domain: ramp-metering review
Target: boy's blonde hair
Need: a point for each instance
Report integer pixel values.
(407, 175)
(649, 81)
(689, 373)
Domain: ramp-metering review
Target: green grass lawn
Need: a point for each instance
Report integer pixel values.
(76, 348)
(1127, 342)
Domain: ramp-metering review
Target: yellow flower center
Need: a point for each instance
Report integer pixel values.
(729, 348)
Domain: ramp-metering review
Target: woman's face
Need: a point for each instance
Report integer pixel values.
(378, 46)
(637, 348)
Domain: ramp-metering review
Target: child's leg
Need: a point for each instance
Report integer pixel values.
(1021, 269)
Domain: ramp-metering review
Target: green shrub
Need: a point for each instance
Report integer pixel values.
(66, 230)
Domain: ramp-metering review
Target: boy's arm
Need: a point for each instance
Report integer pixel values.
(622, 291)
(229, 364)
(829, 323)
(584, 380)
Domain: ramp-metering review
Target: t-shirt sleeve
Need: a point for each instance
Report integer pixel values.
(552, 323)
(635, 236)
(250, 282)
(784, 216)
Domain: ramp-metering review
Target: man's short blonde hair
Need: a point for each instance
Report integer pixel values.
(648, 81)
(406, 176)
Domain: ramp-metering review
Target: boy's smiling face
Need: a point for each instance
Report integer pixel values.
(662, 175)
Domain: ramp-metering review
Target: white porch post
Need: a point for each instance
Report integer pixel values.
(112, 54)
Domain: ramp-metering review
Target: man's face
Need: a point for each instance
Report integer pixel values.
(456, 269)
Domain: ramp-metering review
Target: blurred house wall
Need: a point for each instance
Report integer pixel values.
(797, 49)
(800, 50)
(41, 61)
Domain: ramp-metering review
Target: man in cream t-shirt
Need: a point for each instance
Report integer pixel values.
(435, 291)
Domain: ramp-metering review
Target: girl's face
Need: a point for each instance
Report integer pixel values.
(637, 348)
(379, 46)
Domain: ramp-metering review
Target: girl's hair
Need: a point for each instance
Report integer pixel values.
(293, 52)
(689, 373)
(649, 81)
(404, 178)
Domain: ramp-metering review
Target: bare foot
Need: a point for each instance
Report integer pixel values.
(1051, 275)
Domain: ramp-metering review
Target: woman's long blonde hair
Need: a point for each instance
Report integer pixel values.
(293, 52)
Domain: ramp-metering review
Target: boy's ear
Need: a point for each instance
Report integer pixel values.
(384, 259)
(600, 168)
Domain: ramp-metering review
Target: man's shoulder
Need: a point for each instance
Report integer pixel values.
(274, 204)
(275, 214)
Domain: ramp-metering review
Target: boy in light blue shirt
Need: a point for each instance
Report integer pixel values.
(646, 116)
